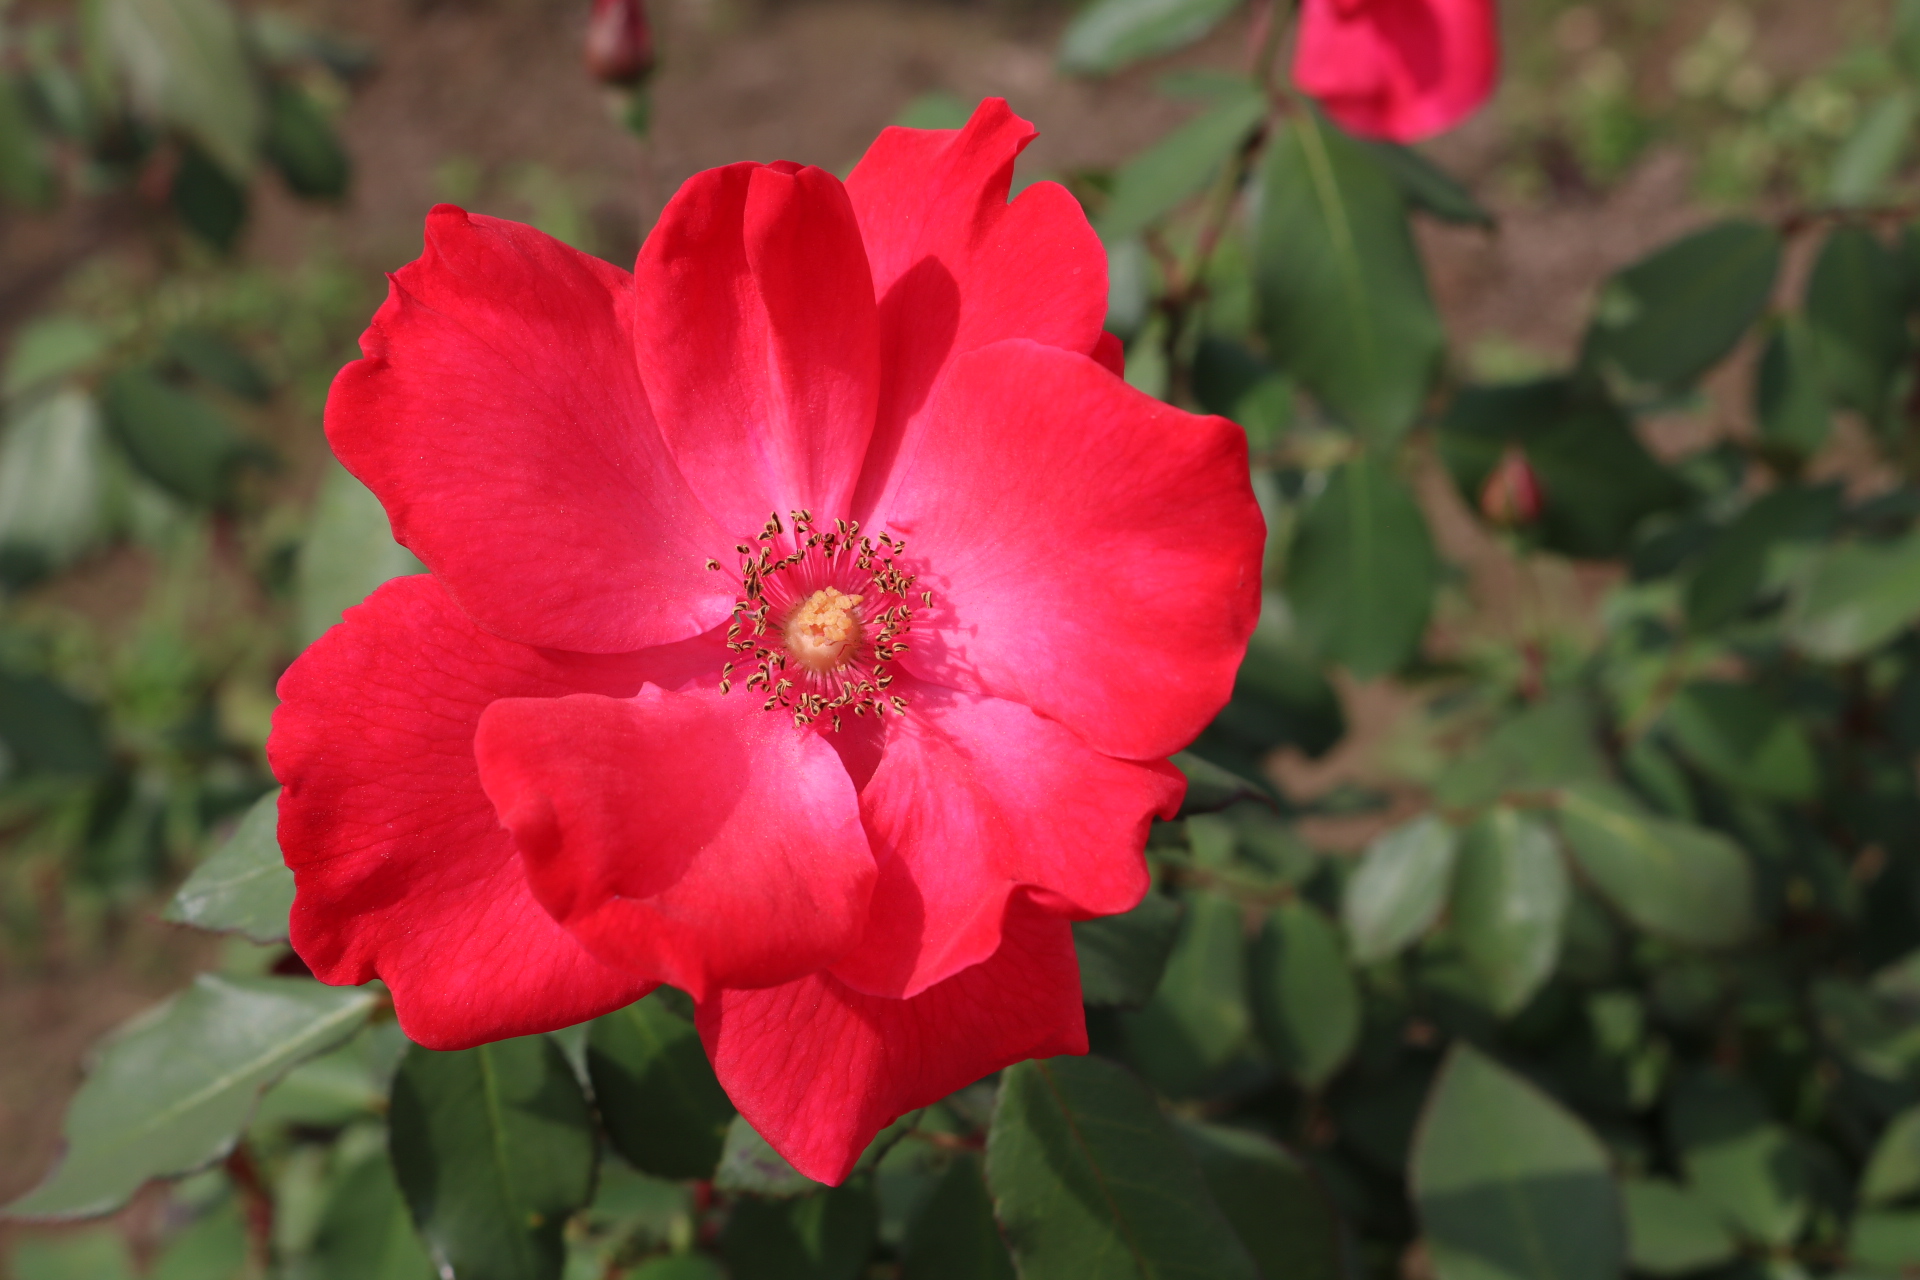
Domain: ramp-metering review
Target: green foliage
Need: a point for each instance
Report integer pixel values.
(245, 886)
(493, 1149)
(1109, 34)
(1090, 1181)
(1509, 1184)
(1344, 304)
(1362, 570)
(172, 1090)
(662, 1107)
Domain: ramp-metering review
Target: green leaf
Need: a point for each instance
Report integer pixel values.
(1747, 1165)
(1109, 34)
(1599, 482)
(1671, 1230)
(212, 358)
(1886, 1242)
(1362, 571)
(365, 1230)
(1789, 398)
(348, 552)
(1305, 997)
(663, 1108)
(1276, 1205)
(209, 203)
(45, 729)
(1123, 956)
(1509, 1184)
(178, 439)
(1091, 1182)
(186, 67)
(1669, 318)
(1742, 739)
(91, 1255)
(1893, 1171)
(827, 1236)
(748, 1162)
(1856, 315)
(1211, 788)
(1671, 878)
(1197, 1025)
(54, 485)
(26, 179)
(302, 145)
(493, 1149)
(213, 1248)
(337, 1088)
(1279, 699)
(1428, 187)
(681, 1266)
(954, 1236)
(1906, 38)
(1549, 744)
(245, 887)
(1873, 153)
(1734, 567)
(1853, 597)
(1510, 899)
(1396, 893)
(1167, 174)
(1343, 296)
(49, 349)
(171, 1091)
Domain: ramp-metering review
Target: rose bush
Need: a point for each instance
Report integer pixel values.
(812, 614)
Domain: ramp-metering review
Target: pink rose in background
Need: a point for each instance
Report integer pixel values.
(1398, 69)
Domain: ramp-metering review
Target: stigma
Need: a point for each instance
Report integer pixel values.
(824, 631)
(821, 616)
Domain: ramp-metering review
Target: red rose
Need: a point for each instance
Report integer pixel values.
(1398, 69)
(844, 777)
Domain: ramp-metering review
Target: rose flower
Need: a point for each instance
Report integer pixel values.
(812, 613)
(1398, 69)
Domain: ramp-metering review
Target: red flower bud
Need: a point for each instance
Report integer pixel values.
(1512, 497)
(619, 42)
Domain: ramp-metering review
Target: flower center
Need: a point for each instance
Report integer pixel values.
(821, 615)
(824, 632)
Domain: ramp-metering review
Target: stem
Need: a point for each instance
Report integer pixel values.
(1187, 288)
(257, 1204)
(1803, 220)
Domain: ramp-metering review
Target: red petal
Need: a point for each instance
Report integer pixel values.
(689, 837)
(956, 267)
(1092, 552)
(1111, 354)
(757, 336)
(403, 871)
(818, 1069)
(1398, 69)
(974, 796)
(499, 416)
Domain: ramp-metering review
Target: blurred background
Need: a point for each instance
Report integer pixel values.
(193, 229)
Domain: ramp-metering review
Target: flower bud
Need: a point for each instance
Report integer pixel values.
(1512, 497)
(619, 42)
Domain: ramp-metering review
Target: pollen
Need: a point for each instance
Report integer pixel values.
(825, 631)
(822, 615)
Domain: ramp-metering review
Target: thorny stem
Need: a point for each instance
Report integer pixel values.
(1186, 284)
